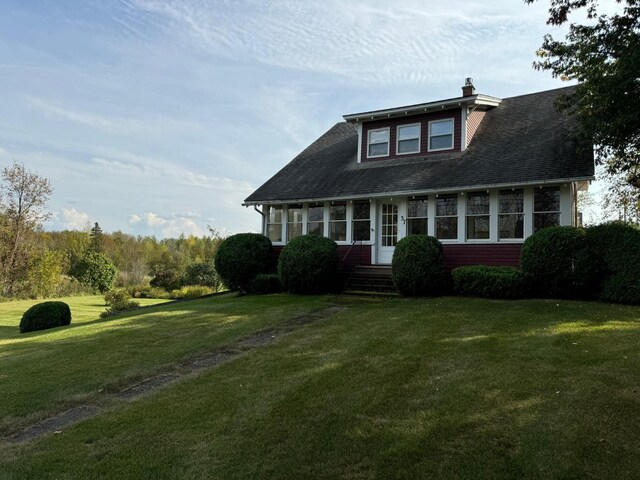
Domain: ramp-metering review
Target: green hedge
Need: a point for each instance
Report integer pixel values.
(45, 315)
(309, 264)
(241, 257)
(265, 283)
(489, 282)
(417, 267)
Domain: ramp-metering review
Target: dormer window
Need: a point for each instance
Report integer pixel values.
(408, 139)
(378, 143)
(441, 135)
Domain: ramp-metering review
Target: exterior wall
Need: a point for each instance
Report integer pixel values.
(473, 122)
(424, 120)
(484, 254)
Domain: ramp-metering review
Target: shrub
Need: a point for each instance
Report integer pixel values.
(489, 282)
(417, 267)
(147, 291)
(203, 273)
(557, 260)
(265, 283)
(308, 264)
(45, 315)
(70, 286)
(241, 257)
(119, 299)
(191, 291)
(96, 271)
(621, 288)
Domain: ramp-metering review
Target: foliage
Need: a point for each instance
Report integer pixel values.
(70, 287)
(603, 55)
(45, 315)
(558, 261)
(23, 196)
(45, 273)
(622, 194)
(119, 299)
(202, 273)
(167, 270)
(621, 288)
(147, 291)
(489, 282)
(265, 283)
(96, 236)
(241, 257)
(308, 264)
(191, 291)
(417, 267)
(95, 270)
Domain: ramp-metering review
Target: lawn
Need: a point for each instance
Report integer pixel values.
(399, 388)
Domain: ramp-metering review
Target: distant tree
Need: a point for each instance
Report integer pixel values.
(23, 196)
(167, 271)
(96, 271)
(603, 55)
(45, 273)
(622, 196)
(203, 273)
(97, 239)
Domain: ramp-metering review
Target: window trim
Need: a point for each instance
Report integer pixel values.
(421, 198)
(294, 206)
(456, 216)
(453, 140)
(354, 220)
(322, 222)
(388, 142)
(538, 212)
(419, 137)
(523, 213)
(281, 223)
(345, 221)
(476, 215)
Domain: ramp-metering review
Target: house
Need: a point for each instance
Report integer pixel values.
(477, 172)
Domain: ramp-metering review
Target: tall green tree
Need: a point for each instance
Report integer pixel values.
(97, 239)
(603, 55)
(23, 198)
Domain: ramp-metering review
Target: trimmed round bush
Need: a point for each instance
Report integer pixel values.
(45, 315)
(621, 288)
(96, 271)
(489, 282)
(417, 267)
(309, 264)
(558, 262)
(265, 283)
(241, 257)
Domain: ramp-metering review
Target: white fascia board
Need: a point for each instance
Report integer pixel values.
(405, 193)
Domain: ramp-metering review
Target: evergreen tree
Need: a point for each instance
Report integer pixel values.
(97, 239)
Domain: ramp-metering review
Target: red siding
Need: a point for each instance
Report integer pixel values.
(473, 122)
(424, 120)
(488, 254)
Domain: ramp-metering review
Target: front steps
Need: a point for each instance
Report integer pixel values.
(371, 280)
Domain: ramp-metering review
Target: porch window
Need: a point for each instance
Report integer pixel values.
(441, 135)
(338, 222)
(361, 224)
(315, 219)
(478, 216)
(274, 223)
(294, 221)
(511, 214)
(417, 217)
(546, 207)
(447, 217)
(408, 139)
(378, 143)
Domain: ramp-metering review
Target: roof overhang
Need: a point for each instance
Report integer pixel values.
(470, 101)
(405, 193)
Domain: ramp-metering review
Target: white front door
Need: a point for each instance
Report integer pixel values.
(388, 231)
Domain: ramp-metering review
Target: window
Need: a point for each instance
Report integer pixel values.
(477, 216)
(447, 217)
(361, 225)
(441, 135)
(408, 139)
(378, 143)
(274, 223)
(417, 216)
(315, 219)
(389, 225)
(294, 221)
(511, 214)
(338, 222)
(546, 207)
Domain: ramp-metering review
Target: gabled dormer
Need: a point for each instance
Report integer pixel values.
(424, 129)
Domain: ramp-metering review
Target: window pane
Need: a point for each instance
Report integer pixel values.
(546, 199)
(294, 230)
(315, 228)
(442, 128)
(477, 203)
(447, 228)
(361, 210)
(417, 208)
(274, 232)
(511, 226)
(542, 220)
(445, 141)
(338, 231)
(379, 136)
(417, 226)
(275, 215)
(447, 205)
(477, 228)
(362, 230)
(408, 146)
(408, 132)
(511, 201)
(378, 149)
(294, 214)
(316, 214)
(338, 211)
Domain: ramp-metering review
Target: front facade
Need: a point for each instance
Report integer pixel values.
(479, 173)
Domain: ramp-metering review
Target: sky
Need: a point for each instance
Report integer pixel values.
(159, 117)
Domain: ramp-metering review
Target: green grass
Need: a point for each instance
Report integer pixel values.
(396, 388)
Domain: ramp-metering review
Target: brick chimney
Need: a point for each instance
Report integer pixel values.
(468, 89)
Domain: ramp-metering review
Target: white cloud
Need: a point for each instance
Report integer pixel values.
(169, 226)
(74, 220)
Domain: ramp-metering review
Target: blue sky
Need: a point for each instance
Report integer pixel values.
(160, 117)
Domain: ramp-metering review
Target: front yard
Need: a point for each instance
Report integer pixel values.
(400, 388)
